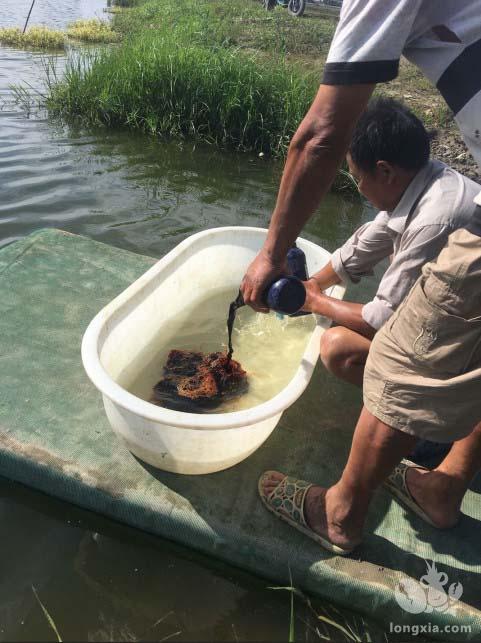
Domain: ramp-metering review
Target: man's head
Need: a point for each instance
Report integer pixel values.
(388, 148)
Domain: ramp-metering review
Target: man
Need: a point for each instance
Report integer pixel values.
(423, 373)
(421, 202)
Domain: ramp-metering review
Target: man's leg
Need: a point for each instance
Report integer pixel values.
(344, 353)
(422, 376)
(340, 511)
(440, 492)
(423, 373)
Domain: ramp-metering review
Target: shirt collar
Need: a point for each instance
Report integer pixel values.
(398, 218)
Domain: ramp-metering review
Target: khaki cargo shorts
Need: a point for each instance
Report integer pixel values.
(423, 373)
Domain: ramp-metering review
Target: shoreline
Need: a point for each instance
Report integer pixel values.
(229, 74)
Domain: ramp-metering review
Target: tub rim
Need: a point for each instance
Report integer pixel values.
(180, 419)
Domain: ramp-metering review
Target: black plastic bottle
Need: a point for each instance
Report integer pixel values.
(287, 294)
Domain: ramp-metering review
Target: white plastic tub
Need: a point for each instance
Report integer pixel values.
(120, 337)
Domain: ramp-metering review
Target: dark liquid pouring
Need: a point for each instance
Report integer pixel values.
(238, 303)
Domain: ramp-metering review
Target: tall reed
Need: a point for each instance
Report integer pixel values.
(164, 85)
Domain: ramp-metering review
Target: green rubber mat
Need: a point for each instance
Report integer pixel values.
(54, 437)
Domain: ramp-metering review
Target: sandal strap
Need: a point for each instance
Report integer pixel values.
(398, 476)
(288, 498)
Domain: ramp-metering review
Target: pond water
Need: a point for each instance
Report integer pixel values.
(99, 580)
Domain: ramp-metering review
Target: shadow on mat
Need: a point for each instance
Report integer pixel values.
(384, 554)
(312, 443)
(235, 513)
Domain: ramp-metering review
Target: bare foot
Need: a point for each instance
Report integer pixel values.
(324, 513)
(433, 492)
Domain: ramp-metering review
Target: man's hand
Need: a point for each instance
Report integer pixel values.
(260, 274)
(344, 313)
(313, 294)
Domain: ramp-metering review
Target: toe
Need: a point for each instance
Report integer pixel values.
(275, 476)
(270, 480)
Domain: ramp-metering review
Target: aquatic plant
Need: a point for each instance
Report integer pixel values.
(37, 37)
(92, 30)
(40, 37)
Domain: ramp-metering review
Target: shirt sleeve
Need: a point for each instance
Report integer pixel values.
(417, 248)
(369, 40)
(367, 247)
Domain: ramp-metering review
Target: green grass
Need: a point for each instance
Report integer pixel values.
(168, 86)
(122, 4)
(238, 23)
(115, 9)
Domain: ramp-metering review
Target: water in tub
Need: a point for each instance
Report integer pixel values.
(269, 349)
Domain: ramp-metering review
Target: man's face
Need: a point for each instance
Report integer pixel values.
(379, 186)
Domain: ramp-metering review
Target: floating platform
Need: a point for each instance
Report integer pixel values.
(55, 437)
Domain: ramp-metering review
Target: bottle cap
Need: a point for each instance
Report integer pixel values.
(296, 262)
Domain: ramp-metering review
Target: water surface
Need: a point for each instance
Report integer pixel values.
(102, 581)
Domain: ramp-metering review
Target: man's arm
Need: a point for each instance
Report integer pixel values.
(344, 313)
(418, 246)
(326, 277)
(315, 154)
(357, 257)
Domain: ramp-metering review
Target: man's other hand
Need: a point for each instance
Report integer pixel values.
(312, 295)
(260, 274)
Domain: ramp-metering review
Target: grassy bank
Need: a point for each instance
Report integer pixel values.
(185, 69)
(163, 86)
(243, 24)
(228, 73)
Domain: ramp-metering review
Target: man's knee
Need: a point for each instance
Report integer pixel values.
(333, 346)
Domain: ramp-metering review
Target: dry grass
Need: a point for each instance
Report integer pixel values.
(37, 37)
(93, 30)
(40, 37)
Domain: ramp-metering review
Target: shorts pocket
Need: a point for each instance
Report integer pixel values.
(442, 343)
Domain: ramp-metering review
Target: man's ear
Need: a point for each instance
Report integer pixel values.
(385, 172)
